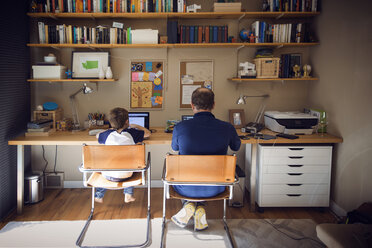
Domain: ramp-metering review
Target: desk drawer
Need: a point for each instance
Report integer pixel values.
(296, 160)
(296, 168)
(287, 178)
(286, 151)
(304, 189)
(294, 200)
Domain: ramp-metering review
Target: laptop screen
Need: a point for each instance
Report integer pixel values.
(140, 118)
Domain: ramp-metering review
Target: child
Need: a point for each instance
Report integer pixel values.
(122, 133)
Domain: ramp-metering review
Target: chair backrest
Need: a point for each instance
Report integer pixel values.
(200, 168)
(114, 157)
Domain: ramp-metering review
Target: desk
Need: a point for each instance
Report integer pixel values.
(158, 137)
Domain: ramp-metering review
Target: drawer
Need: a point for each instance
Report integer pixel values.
(296, 160)
(296, 168)
(309, 178)
(313, 151)
(307, 189)
(295, 200)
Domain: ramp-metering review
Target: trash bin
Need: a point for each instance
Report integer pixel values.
(238, 197)
(34, 189)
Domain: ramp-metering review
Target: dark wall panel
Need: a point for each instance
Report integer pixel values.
(14, 96)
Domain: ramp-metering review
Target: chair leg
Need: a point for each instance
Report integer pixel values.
(162, 240)
(226, 227)
(80, 239)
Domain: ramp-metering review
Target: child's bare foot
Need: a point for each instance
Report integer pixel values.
(99, 200)
(129, 198)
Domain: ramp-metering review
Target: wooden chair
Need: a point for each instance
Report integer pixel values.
(207, 170)
(128, 158)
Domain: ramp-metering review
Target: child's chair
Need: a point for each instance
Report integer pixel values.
(217, 170)
(128, 158)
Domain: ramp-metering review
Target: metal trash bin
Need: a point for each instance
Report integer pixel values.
(34, 187)
(238, 197)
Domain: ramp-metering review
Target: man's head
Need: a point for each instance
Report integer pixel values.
(118, 118)
(202, 99)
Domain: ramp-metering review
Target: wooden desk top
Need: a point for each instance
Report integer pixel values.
(158, 137)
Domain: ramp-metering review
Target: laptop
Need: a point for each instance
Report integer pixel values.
(140, 118)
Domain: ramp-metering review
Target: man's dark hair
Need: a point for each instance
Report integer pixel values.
(203, 98)
(118, 117)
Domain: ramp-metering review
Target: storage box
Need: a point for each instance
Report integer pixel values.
(227, 7)
(48, 71)
(54, 115)
(267, 67)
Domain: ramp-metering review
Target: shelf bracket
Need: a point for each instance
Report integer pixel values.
(241, 17)
(52, 16)
(92, 17)
(279, 16)
(239, 47)
(54, 47)
(280, 46)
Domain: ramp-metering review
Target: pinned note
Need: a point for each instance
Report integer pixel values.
(140, 76)
(134, 76)
(157, 83)
(148, 66)
(153, 101)
(159, 100)
(151, 76)
(145, 76)
(159, 73)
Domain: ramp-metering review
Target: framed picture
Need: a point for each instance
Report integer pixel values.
(88, 64)
(237, 118)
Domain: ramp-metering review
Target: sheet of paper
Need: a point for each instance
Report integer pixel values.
(141, 94)
(201, 71)
(187, 79)
(187, 91)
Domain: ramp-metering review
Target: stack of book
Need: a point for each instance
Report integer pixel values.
(111, 6)
(39, 128)
(291, 5)
(287, 61)
(203, 34)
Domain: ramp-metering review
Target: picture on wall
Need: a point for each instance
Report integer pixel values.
(146, 84)
(88, 64)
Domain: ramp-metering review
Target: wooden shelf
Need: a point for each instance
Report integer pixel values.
(272, 79)
(72, 80)
(198, 15)
(177, 45)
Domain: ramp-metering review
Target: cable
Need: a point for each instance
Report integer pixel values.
(294, 238)
(55, 161)
(46, 161)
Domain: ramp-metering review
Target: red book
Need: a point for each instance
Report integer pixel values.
(200, 34)
(206, 34)
(89, 6)
(53, 6)
(181, 35)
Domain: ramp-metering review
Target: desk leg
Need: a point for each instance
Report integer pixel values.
(20, 177)
(252, 190)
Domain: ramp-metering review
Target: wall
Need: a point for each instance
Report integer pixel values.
(14, 97)
(283, 95)
(344, 91)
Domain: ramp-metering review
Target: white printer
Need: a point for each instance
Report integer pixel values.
(290, 122)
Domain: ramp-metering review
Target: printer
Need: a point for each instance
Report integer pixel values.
(290, 122)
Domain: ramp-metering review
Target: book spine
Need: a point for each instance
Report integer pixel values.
(206, 34)
(215, 34)
(200, 34)
(192, 33)
(188, 34)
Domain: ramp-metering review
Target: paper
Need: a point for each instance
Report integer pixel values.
(187, 91)
(145, 76)
(201, 71)
(140, 76)
(157, 84)
(151, 76)
(148, 66)
(153, 101)
(187, 79)
(159, 73)
(141, 94)
(134, 76)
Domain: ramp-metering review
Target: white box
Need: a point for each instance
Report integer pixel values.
(49, 71)
(145, 36)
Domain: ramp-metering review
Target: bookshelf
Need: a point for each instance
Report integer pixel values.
(272, 79)
(72, 80)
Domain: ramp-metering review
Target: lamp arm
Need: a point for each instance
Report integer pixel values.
(77, 92)
(75, 116)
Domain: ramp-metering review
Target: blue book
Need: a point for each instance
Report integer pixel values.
(192, 38)
(215, 34)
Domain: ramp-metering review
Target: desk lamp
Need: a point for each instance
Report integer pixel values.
(86, 90)
(241, 99)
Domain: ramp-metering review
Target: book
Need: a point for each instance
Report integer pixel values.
(192, 34)
(206, 34)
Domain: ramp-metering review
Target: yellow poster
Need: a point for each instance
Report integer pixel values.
(141, 94)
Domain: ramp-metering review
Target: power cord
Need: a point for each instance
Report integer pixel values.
(55, 161)
(294, 238)
(46, 161)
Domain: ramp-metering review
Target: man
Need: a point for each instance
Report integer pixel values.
(202, 135)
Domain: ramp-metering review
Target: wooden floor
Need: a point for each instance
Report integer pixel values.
(75, 204)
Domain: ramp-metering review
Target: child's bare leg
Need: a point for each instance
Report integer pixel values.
(128, 195)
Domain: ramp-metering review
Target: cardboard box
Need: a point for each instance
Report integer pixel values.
(49, 71)
(227, 7)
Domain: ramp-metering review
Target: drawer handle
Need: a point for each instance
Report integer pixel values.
(296, 157)
(295, 165)
(294, 195)
(294, 184)
(296, 149)
(295, 174)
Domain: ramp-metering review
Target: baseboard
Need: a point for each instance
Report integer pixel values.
(337, 209)
(80, 184)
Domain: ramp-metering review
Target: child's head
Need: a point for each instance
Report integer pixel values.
(118, 118)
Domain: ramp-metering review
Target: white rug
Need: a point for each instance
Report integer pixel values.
(246, 233)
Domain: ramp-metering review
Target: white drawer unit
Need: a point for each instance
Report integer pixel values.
(293, 176)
